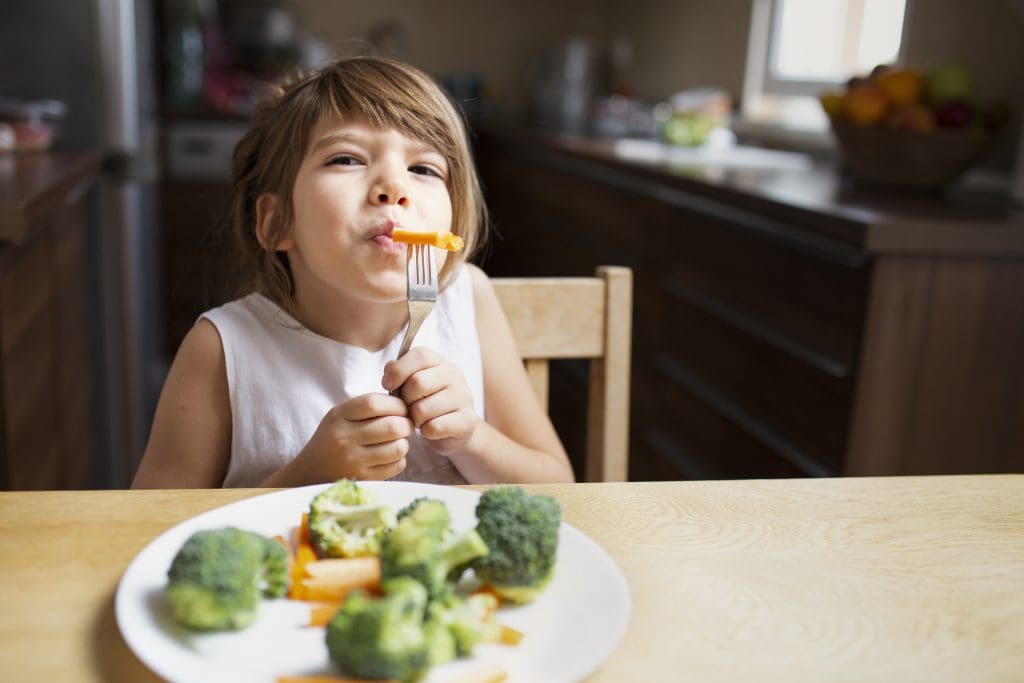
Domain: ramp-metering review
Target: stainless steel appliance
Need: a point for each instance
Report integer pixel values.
(98, 57)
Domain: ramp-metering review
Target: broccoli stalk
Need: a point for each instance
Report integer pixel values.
(218, 576)
(422, 546)
(385, 638)
(347, 521)
(521, 533)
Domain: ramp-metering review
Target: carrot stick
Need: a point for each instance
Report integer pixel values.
(321, 615)
(304, 556)
(437, 238)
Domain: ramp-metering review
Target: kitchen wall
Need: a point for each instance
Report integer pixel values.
(688, 43)
(684, 44)
(495, 39)
(675, 43)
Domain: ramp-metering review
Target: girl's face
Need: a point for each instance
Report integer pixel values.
(356, 184)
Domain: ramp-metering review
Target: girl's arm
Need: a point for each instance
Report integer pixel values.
(517, 443)
(190, 441)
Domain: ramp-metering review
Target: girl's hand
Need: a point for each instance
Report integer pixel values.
(439, 399)
(363, 438)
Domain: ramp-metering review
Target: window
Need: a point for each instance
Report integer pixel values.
(798, 48)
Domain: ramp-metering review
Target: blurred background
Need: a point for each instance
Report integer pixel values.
(838, 183)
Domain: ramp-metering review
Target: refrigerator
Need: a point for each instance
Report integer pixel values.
(99, 57)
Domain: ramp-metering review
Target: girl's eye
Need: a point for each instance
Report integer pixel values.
(344, 160)
(423, 169)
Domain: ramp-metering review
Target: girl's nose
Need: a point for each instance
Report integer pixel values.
(389, 190)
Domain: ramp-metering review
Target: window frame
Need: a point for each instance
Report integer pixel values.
(765, 21)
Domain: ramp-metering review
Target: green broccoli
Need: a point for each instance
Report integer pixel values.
(218, 576)
(521, 533)
(423, 546)
(386, 637)
(470, 620)
(347, 521)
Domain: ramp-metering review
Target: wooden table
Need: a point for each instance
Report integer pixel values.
(888, 579)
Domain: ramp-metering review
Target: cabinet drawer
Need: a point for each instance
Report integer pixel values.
(807, 300)
(781, 392)
(677, 435)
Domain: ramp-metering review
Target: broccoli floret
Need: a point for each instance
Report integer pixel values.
(423, 546)
(217, 578)
(470, 621)
(384, 637)
(521, 533)
(347, 521)
(441, 644)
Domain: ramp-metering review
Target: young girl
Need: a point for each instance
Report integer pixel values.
(290, 384)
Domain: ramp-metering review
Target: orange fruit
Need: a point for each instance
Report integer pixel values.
(866, 104)
(902, 87)
(915, 118)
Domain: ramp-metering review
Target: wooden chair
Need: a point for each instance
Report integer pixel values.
(580, 317)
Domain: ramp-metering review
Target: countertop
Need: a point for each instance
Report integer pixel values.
(33, 184)
(857, 579)
(813, 196)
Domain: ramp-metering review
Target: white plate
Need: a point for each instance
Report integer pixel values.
(569, 630)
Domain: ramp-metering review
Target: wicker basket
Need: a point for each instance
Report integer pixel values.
(920, 161)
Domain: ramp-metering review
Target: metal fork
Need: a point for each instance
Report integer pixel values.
(421, 276)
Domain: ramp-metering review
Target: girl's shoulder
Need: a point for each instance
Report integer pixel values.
(250, 309)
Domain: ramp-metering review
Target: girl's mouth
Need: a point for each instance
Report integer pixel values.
(387, 244)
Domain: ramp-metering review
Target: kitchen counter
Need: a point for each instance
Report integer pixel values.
(912, 579)
(32, 185)
(800, 193)
(787, 323)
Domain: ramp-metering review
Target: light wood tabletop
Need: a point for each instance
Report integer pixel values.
(855, 579)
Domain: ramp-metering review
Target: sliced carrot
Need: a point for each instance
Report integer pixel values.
(324, 589)
(509, 635)
(487, 589)
(304, 556)
(437, 238)
(321, 615)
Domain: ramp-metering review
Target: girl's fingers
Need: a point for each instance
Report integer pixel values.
(384, 429)
(397, 372)
(384, 454)
(454, 424)
(385, 471)
(448, 400)
(370, 406)
(427, 382)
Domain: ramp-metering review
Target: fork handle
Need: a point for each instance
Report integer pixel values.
(418, 311)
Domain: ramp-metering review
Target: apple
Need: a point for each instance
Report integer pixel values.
(948, 82)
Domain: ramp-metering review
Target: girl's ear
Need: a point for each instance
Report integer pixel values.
(266, 215)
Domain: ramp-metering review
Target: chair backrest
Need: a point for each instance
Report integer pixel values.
(580, 317)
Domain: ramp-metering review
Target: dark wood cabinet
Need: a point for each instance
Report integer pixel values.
(47, 382)
(778, 338)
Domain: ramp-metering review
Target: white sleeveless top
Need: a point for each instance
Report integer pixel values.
(283, 378)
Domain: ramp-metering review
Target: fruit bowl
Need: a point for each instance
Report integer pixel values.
(905, 159)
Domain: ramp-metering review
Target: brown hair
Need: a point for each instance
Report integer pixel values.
(386, 93)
